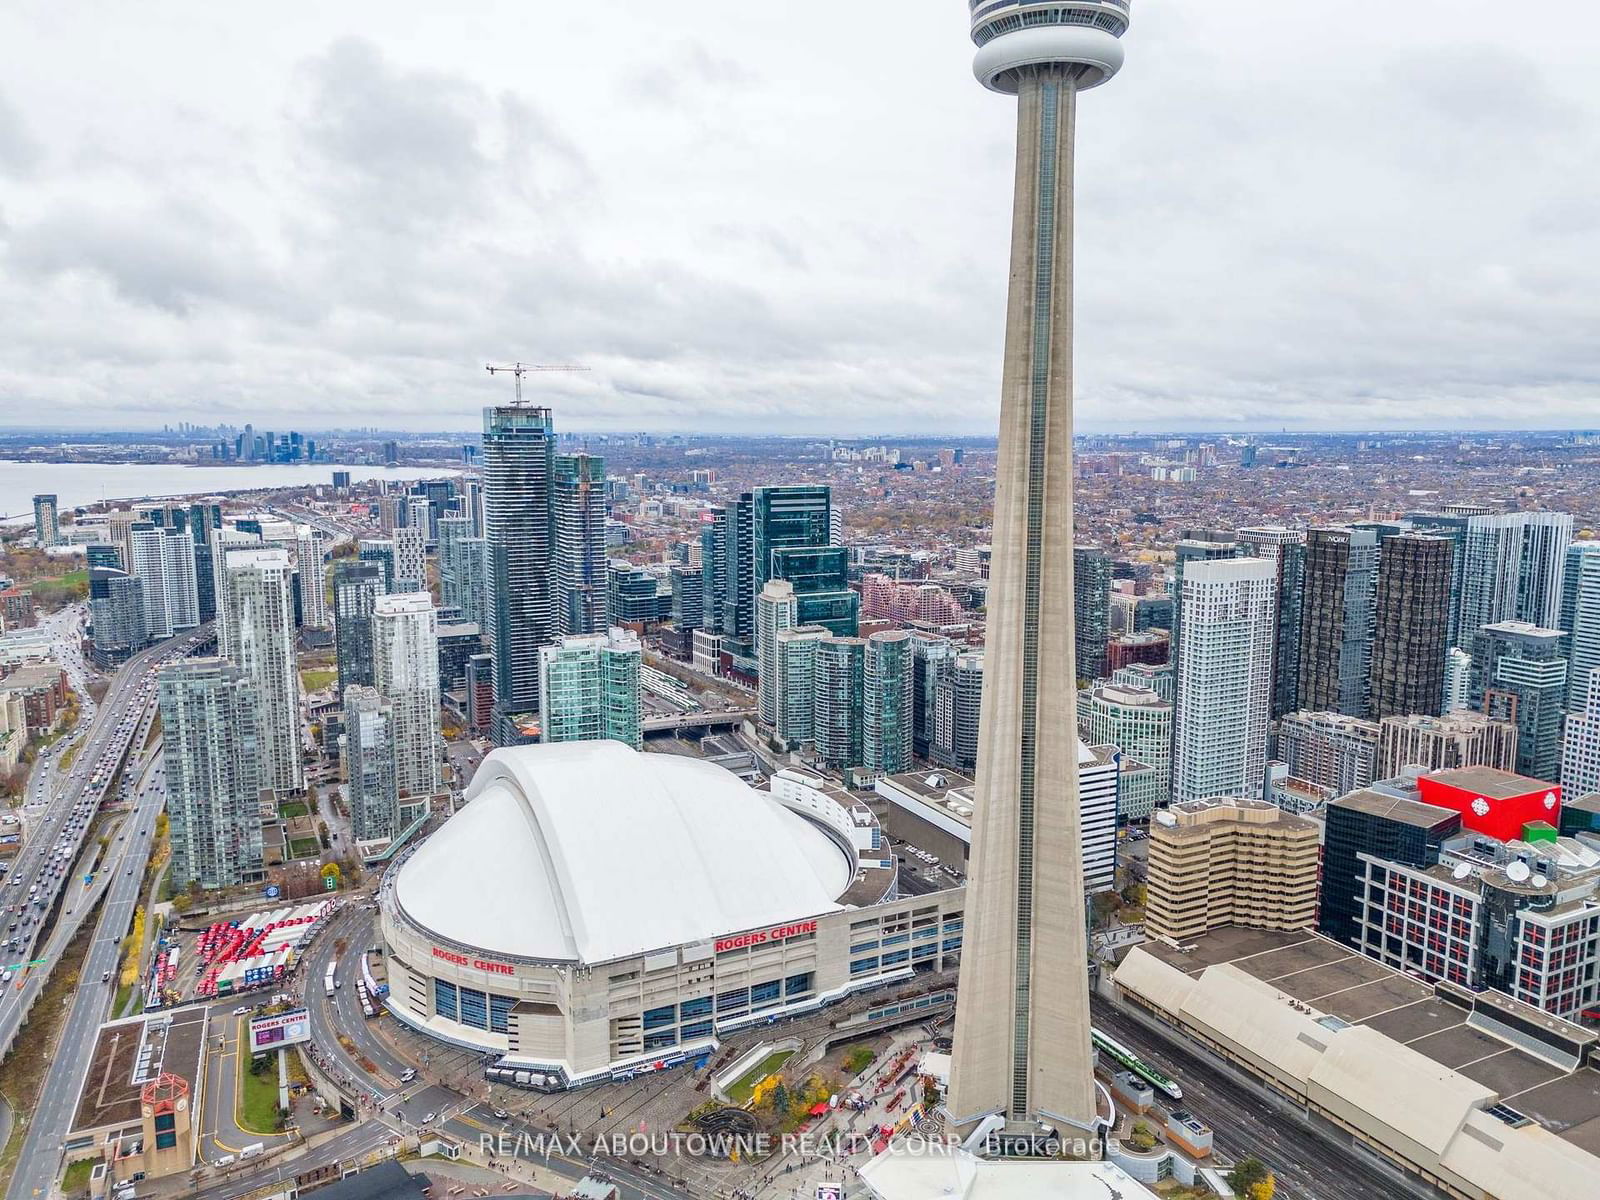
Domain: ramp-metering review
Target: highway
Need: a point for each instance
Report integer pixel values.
(58, 831)
(125, 718)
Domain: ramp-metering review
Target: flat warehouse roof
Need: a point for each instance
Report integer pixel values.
(1339, 981)
(129, 1054)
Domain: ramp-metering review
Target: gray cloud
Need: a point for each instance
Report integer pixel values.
(775, 220)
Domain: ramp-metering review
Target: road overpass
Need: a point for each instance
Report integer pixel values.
(697, 722)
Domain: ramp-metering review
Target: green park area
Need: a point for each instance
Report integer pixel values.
(258, 1095)
(739, 1091)
(314, 679)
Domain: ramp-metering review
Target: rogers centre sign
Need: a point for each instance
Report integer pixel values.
(761, 936)
(477, 964)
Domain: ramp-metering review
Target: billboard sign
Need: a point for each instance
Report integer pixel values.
(278, 1030)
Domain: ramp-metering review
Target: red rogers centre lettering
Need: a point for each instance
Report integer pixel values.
(478, 964)
(761, 936)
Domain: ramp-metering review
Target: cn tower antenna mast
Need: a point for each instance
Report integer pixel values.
(519, 369)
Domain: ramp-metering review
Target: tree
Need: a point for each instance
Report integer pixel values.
(331, 871)
(1266, 1189)
(181, 903)
(1248, 1172)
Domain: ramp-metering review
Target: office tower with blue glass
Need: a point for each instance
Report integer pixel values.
(1022, 1055)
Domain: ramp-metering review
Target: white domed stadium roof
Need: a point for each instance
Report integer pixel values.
(592, 851)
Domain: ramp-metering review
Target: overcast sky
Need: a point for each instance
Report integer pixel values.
(788, 216)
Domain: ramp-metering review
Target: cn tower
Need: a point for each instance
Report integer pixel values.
(1022, 1051)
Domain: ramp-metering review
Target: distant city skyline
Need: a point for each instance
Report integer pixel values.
(344, 225)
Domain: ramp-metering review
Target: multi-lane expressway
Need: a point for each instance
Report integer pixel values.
(44, 873)
(124, 721)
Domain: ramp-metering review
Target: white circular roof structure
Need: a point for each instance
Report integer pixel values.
(592, 851)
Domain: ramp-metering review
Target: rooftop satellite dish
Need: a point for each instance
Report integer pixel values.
(1540, 881)
(1461, 872)
(1518, 872)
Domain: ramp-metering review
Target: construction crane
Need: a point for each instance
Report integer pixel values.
(519, 369)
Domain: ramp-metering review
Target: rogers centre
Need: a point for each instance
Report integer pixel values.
(594, 912)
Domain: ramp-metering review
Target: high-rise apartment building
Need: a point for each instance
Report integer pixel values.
(405, 672)
(1091, 611)
(311, 576)
(1457, 680)
(1512, 570)
(1580, 621)
(454, 583)
(714, 570)
(1224, 678)
(794, 695)
(1580, 752)
(688, 598)
(957, 711)
(1287, 549)
(163, 560)
(579, 507)
(1457, 739)
(838, 706)
(46, 520)
(1409, 643)
(776, 610)
(356, 588)
(1336, 620)
(116, 616)
(1519, 674)
(887, 683)
(589, 687)
(1329, 750)
(371, 792)
(223, 541)
(1196, 546)
(214, 772)
(1230, 861)
(932, 658)
(1139, 723)
(383, 554)
(410, 558)
(1022, 1050)
(518, 465)
(259, 587)
(1099, 790)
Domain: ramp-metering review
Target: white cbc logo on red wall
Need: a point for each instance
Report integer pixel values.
(1549, 801)
(1481, 807)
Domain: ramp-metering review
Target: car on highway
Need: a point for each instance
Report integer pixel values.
(408, 1075)
(242, 1010)
(500, 1114)
(429, 1118)
(105, 976)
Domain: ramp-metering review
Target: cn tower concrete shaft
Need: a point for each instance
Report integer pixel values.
(1022, 1016)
